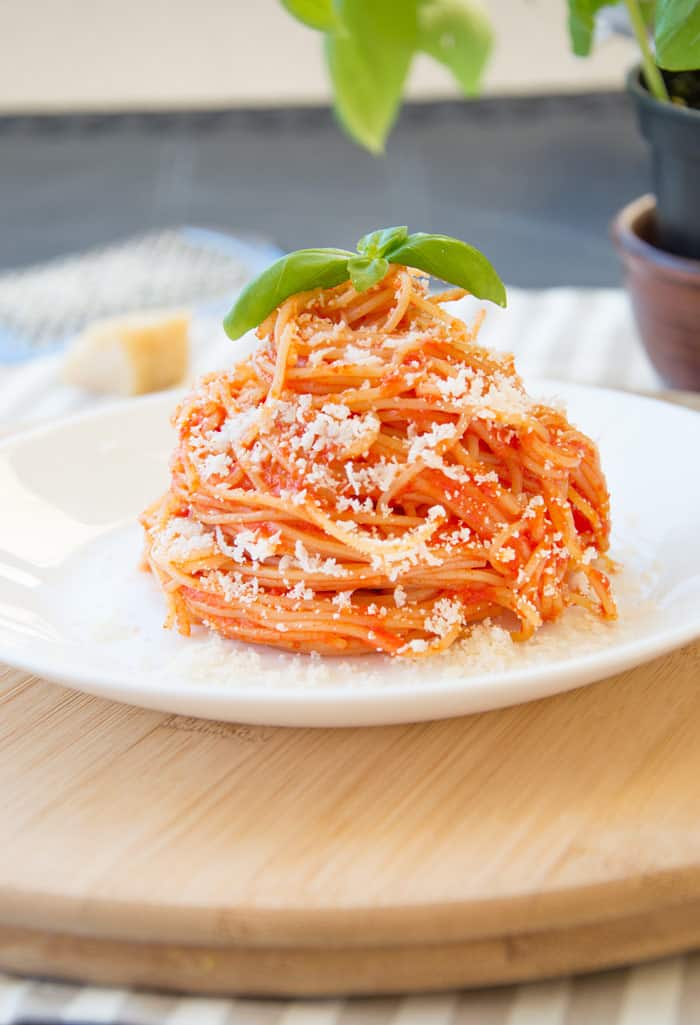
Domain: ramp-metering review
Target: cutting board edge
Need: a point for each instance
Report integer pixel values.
(284, 972)
(360, 927)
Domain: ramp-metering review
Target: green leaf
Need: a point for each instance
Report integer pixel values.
(582, 14)
(452, 261)
(297, 272)
(314, 13)
(369, 54)
(306, 269)
(648, 11)
(376, 243)
(457, 34)
(678, 34)
(366, 271)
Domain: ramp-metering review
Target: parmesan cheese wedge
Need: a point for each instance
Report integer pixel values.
(130, 355)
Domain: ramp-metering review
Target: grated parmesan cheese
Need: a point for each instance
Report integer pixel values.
(234, 587)
(217, 465)
(316, 563)
(445, 615)
(248, 545)
(423, 446)
(181, 539)
(233, 430)
(379, 477)
(357, 505)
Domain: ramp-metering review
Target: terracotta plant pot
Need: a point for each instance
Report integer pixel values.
(665, 294)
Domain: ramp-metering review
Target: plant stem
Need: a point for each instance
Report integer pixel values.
(654, 78)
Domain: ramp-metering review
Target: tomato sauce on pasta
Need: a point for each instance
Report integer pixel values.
(372, 479)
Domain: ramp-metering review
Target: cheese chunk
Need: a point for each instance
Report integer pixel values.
(130, 355)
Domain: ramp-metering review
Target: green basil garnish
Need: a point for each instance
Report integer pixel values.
(446, 258)
(452, 261)
(378, 243)
(365, 271)
(296, 272)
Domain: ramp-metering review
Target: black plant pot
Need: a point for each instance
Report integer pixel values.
(673, 132)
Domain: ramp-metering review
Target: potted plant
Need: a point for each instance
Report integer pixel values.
(369, 47)
(666, 92)
(658, 236)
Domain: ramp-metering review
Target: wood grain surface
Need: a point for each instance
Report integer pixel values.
(148, 849)
(160, 850)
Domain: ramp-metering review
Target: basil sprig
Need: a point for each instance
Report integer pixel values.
(446, 258)
(674, 26)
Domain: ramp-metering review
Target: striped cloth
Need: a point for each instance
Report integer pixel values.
(663, 992)
(572, 334)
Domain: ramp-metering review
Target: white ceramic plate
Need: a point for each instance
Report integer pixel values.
(75, 608)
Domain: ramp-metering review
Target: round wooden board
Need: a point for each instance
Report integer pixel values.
(151, 849)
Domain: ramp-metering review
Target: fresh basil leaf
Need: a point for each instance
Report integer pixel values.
(582, 14)
(306, 269)
(297, 272)
(376, 243)
(369, 54)
(366, 271)
(677, 34)
(452, 261)
(314, 13)
(457, 34)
